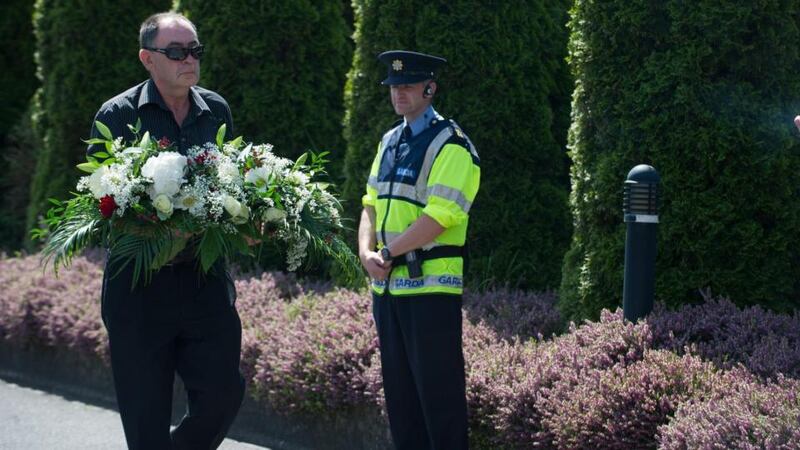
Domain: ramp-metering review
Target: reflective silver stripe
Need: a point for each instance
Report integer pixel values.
(390, 237)
(399, 189)
(372, 182)
(404, 190)
(404, 284)
(430, 155)
(451, 194)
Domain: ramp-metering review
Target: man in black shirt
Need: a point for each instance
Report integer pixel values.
(181, 322)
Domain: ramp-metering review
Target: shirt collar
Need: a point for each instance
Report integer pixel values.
(422, 122)
(150, 94)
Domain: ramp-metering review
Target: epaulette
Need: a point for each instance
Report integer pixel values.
(458, 137)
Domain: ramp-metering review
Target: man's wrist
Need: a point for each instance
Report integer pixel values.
(386, 254)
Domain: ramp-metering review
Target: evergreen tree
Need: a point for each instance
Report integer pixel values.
(705, 92)
(17, 84)
(507, 85)
(281, 66)
(86, 52)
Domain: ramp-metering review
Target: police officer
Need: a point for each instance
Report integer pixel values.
(411, 242)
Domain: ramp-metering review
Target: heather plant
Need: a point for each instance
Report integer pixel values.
(550, 366)
(64, 312)
(763, 341)
(311, 349)
(515, 313)
(753, 416)
(623, 406)
(314, 352)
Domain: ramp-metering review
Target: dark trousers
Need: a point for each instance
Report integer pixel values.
(181, 322)
(423, 370)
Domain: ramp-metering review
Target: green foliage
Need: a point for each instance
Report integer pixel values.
(508, 86)
(17, 84)
(17, 79)
(705, 92)
(280, 65)
(86, 53)
(18, 162)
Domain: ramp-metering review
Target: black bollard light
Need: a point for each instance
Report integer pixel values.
(640, 204)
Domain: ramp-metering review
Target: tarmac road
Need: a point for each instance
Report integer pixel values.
(32, 419)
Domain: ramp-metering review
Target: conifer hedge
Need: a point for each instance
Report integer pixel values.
(705, 92)
(17, 79)
(507, 85)
(86, 53)
(281, 66)
(17, 84)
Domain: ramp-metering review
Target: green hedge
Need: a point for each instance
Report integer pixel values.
(17, 85)
(17, 79)
(705, 92)
(507, 85)
(281, 66)
(86, 53)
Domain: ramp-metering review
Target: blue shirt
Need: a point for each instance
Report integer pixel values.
(422, 122)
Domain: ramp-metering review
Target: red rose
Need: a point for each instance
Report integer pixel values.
(107, 206)
(164, 142)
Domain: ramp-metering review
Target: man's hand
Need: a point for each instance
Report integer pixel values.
(797, 122)
(377, 268)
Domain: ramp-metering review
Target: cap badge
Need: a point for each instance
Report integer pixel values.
(397, 65)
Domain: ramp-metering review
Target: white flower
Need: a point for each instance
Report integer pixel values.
(191, 199)
(297, 177)
(228, 173)
(242, 217)
(95, 182)
(166, 170)
(231, 205)
(274, 215)
(258, 176)
(163, 205)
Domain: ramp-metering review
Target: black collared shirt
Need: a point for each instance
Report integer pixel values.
(207, 112)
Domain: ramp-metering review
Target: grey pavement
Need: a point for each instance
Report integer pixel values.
(31, 419)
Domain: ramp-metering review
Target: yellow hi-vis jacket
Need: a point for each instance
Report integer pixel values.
(436, 173)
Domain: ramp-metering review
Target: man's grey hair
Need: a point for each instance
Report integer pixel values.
(149, 29)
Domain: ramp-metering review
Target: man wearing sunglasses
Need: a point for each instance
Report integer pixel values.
(181, 322)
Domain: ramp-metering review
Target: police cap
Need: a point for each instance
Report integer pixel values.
(409, 67)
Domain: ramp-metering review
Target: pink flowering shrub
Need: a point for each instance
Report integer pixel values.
(623, 406)
(765, 342)
(515, 314)
(695, 378)
(752, 416)
(549, 368)
(38, 308)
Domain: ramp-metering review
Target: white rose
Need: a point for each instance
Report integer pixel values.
(231, 205)
(96, 184)
(243, 216)
(274, 215)
(163, 205)
(166, 170)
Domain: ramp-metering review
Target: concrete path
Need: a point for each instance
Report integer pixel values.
(31, 419)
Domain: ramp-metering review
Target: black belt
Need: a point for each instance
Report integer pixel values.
(443, 251)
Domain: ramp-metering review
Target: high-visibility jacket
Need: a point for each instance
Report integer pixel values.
(436, 173)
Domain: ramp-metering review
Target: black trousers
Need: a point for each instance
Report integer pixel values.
(184, 323)
(423, 370)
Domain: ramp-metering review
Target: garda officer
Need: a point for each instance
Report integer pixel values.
(411, 239)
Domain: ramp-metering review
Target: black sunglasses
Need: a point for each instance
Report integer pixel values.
(179, 53)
